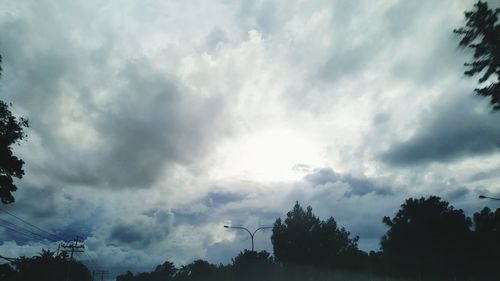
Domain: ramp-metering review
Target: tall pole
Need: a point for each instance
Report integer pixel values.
(252, 234)
(74, 247)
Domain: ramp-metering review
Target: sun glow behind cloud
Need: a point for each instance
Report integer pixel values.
(216, 111)
(268, 155)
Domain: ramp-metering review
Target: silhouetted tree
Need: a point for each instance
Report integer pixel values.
(7, 273)
(128, 276)
(306, 240)
(197, 270)
(165, 271)
(486, 242)
(49, 267)
(429, 237)
(252, 258)
(11, 132)
(482, 33)
(252, 265)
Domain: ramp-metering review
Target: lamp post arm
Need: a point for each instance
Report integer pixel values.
(249, 232)
(246, 229)
(487, 197)
(260, 228)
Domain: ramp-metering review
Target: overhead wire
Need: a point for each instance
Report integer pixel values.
(17, 231)
(30, 224)
(30, 233)
(26, 230)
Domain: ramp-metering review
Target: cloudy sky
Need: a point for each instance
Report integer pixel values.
(154, 123)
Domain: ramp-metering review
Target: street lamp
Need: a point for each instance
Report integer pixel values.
(246, 229)
(487, 197)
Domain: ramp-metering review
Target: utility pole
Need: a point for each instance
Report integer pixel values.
(74, 247)
(99, 272)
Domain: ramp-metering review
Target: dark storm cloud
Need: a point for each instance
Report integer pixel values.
(128, 234)
(47, 204)
(141, 231)
(449, 132)
(43, 206)
(113, 104)
(154, 125)
(361, 186)
(322, 176)
(140, 119)
(457, 194)
(218, 198)
(485, 175)
(357, 186)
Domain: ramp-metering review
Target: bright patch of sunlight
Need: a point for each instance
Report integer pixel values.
(266, 156)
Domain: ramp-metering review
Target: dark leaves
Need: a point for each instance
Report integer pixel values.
(482, 34)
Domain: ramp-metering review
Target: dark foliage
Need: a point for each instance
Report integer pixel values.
(128, 276)
(486, 251)
(482, 34)
(11, 132)
(429, 239)
(45, 267)
(7, 272)
(164, 271)
(252, 265)
(306, 240)
(197, 270)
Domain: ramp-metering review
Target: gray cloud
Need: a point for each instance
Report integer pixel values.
(217, 198)
(128, 111)
(107, 126)
(128, 234)
(357, 185)
(142, 231)
(454, 130)
(485, 175)
(322, 176)
(457, 194)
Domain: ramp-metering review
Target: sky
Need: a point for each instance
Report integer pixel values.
(155, 123)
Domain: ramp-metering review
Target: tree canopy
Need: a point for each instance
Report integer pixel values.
(482, 33)
(427, 239)
(304, 239)
(486, 239)
(427, 234)
(47, 266)
(11, 132)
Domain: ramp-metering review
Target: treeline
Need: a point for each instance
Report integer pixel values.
(427, 239)
(47, 266)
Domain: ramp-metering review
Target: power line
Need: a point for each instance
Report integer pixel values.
(29, 231)
(17, 231)
(29, 235)
(32, 225)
